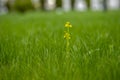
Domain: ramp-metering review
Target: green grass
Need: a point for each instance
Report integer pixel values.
(32, 46)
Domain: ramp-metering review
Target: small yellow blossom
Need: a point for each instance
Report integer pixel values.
(68, 25)
(67, 36)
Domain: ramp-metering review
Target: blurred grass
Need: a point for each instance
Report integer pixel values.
(32, 46)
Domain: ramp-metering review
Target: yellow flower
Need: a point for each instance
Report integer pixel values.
(67, 35)
(68, 25)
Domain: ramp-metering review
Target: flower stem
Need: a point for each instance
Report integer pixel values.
(67, 46)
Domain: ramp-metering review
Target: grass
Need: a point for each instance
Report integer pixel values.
(32, 46)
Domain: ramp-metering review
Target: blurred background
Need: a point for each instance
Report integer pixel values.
(63, 5)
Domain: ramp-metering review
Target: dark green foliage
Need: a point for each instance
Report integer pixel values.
(42, 4)
(59, 3)
(88, 3)
(10, 5)
(72, 3)
(23, 5)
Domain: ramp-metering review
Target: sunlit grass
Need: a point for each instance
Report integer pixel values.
(32, 46)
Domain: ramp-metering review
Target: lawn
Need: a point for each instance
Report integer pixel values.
(32, 46)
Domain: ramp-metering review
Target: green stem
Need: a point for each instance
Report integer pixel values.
(67, 48)
(68, 30)
(67, 45)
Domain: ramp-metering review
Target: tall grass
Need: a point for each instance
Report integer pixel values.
(32, 46)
